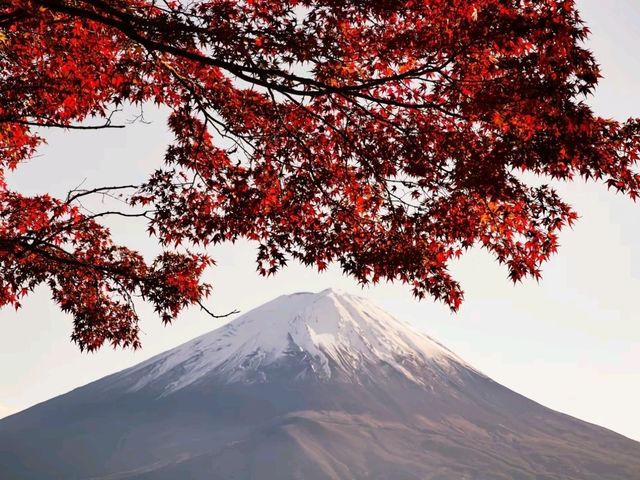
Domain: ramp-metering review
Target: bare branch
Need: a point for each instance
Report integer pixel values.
(213, 315)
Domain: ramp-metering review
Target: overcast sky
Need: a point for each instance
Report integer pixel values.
(570, 342)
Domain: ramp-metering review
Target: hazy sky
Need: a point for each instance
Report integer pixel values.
(570, 342)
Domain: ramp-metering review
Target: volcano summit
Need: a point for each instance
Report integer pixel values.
(311, 387)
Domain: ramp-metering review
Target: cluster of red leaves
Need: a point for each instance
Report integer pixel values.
(387, 136)
(44, 240)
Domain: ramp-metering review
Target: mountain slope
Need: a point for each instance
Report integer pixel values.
(308, 386)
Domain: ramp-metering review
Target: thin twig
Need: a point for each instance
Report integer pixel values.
(213, 315)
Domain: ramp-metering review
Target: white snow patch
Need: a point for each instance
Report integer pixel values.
(330, 326)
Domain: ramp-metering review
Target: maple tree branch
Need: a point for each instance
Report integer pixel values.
(76, 193)
(213, 315)
(62, 125)
(12, 17)
(116, 213)
(64, 257)
(250, 74)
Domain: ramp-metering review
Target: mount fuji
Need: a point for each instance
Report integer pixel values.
(310, 386)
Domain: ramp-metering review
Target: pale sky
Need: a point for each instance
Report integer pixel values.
(570, 342)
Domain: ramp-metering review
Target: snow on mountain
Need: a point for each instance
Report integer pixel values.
(332, 331)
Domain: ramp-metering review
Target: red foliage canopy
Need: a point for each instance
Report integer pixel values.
(384, 135)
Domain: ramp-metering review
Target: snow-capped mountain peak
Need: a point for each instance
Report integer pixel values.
(323, 335)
